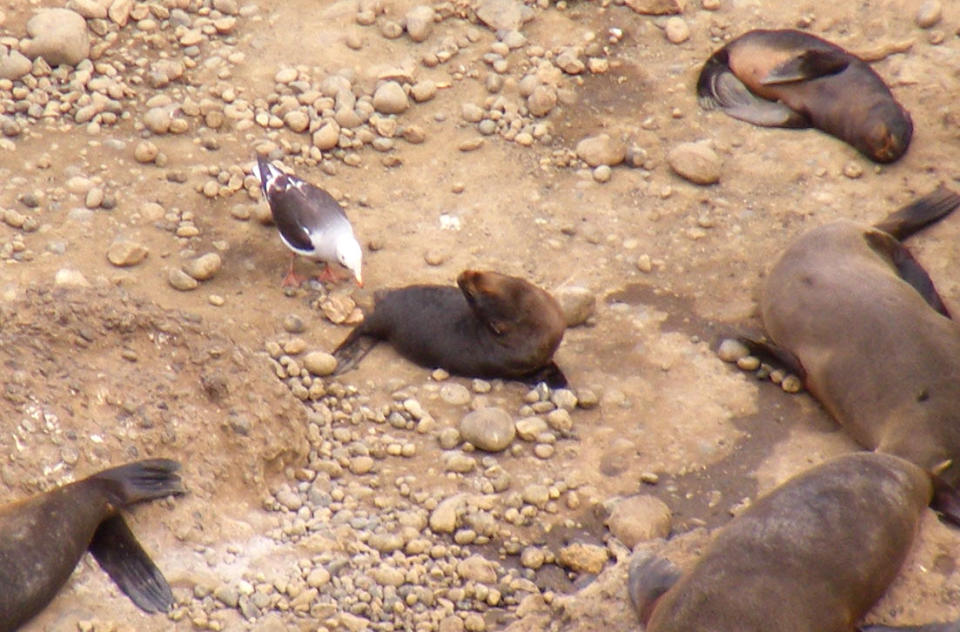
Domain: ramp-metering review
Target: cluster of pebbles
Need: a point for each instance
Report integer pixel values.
(736, 352)
(392, 553)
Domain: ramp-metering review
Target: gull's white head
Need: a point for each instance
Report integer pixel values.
(350, 257)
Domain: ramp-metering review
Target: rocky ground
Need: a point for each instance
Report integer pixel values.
(141, 312)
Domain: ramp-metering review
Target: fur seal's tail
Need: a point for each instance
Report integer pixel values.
(920, 213)
(114, 545)
(648, 578)
(141, 480)
(353, 349)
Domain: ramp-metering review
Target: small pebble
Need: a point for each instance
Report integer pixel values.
(929, 14)
(677, 30)
(180, 280)
(731, 350)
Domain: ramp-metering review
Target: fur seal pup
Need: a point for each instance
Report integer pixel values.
(855, 315)
(788, 78)
(493, 326)
(812, 555)
(43, 537)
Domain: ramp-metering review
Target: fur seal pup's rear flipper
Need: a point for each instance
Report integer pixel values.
(810, 64)
(953, 626)
(127, 564)
(142, 480)
(908, 268)
(737, 101)
(775, 356)
(719, 87)
(920, 213)
(353, 349)
(648, 578)
(550, 373)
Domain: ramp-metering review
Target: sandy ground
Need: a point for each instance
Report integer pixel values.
(131, 367)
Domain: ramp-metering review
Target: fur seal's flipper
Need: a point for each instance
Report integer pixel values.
(810, 64)
(946, 500)
(551, 374)
(124, 560)
(353, 349)
(920, 213)
(953, 626)
(648, 578)
(725, 90)
(776, 356)
(716, 64)
(143, 480)
(907, 267)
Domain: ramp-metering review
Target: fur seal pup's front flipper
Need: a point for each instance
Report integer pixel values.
(810, 64)
(550, 374)
(648, 578)
(128, 565)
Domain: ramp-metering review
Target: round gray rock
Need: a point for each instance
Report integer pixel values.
(14, 65)
(124, 252)
(601, 150)
(695, 162)
(638, 519)
(320, 363)
(204, 266)
(489, 429)
(578, 304)
(390, 98)
(59, 36)
(419, 22)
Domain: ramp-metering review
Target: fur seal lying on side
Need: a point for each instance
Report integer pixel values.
(43, 537)
(853, 313)
(788, 78)
(493, 326)
(813, 555)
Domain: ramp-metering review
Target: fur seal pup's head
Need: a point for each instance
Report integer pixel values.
(885, 133)
(512, 307)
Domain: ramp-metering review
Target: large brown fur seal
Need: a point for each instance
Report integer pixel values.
(788, 78)
(813, 555)
(493, 326)
(43, 537)
(859, 319)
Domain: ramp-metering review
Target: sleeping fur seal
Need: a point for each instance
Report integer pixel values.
(493, 326)
(788, 78)
(813, 555)
(860, 320)
(43, 537)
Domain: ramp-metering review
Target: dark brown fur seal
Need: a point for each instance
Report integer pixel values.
(43, 537)
(813, 555)
(789, 78)
(493, 326)
(864, 326)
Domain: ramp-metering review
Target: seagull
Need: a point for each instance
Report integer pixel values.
(310, 221)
